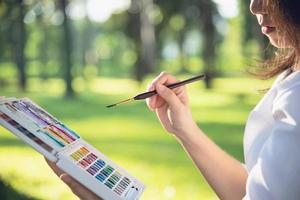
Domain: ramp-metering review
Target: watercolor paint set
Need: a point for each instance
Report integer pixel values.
(68, 150)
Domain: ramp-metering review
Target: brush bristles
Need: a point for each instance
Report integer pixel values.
(125, 101)
(111, 106)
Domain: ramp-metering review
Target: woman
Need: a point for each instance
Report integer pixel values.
(272, 134)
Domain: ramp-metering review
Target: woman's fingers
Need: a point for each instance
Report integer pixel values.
(168, 95)
(163, 117)
(53, 166)
(151, 102)
(78, 189)
(163, 79)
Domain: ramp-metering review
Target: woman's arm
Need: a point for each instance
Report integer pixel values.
(226, 175)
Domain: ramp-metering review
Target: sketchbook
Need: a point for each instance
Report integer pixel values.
(58, 143)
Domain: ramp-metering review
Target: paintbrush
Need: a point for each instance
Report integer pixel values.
(146, 95)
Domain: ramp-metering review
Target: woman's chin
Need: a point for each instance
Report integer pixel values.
(277, 42)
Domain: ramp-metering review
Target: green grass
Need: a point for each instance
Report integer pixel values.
(130, 135)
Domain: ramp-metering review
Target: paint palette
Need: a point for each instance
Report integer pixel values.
(68, 150)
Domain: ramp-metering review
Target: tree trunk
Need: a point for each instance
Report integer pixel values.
(148, 53)
(20, 46)
(182, 53)
(142, 32)
(43, 46)
(209, 42)
(67, 50)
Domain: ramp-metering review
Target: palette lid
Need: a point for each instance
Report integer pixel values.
(27, 117)
(25, 135)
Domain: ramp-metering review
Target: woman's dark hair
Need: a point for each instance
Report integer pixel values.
(286, 16)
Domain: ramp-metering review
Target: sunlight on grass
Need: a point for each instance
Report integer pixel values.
(131, 136)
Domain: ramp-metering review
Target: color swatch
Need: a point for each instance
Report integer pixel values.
(100, 170)
(59, 134)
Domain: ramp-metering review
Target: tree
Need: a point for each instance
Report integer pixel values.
(66, 49)
(141, 30)
(209, 31)
(170, 10)
(196, 14)
(19, 44)
(13, 35)
(147, 35)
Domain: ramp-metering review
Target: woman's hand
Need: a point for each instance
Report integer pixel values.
(79, 190)
(171, 106)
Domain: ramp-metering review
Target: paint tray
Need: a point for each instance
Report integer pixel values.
(68, 150)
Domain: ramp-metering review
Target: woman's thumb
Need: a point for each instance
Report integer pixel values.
(168, 95)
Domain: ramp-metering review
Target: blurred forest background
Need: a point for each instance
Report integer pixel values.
(74, 56)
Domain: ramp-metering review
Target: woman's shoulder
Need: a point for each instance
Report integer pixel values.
(288, 83)
(286, 102)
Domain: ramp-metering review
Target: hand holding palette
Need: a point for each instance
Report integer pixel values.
(68, 150)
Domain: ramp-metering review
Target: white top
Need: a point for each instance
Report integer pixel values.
(272, 142)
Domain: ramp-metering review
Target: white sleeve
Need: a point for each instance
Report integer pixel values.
(276, 174)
